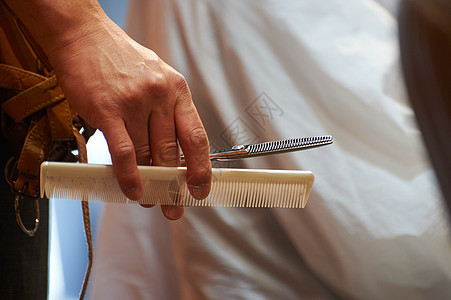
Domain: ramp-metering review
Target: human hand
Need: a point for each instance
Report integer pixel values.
(142, 106)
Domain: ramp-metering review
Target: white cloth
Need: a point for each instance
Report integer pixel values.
(374, 226)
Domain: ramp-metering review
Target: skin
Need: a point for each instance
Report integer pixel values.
(142, 105)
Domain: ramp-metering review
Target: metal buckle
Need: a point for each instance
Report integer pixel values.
(10, 175)
(18, 200)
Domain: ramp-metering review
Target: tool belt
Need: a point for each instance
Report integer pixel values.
(36, 119)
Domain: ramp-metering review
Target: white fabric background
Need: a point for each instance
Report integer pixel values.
(374, 227)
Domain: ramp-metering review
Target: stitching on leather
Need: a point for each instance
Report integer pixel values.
(42, 105)
(20, 71)
(44, 85)
(35, 132)
(68, 115)
(19, 76)
(68, 118)
(52, 124)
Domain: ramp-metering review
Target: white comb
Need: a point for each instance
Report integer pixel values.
(167, 186)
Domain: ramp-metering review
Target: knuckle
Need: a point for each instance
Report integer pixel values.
(197, 154)
(182, 88)
(143, 154)
(181, 83)
(198, 138)
(122, 152)
(167, 153)
(158, 86)
(133, 95)
(101, 114)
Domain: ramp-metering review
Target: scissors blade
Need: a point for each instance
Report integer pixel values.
(268, 148)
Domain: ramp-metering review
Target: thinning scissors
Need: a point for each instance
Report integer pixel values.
(268, 148)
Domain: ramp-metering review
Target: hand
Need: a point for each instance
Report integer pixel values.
(142, 105)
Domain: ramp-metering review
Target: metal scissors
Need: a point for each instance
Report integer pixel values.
(268, 148)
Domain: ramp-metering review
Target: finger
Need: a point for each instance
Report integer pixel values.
(143, 154)
(147, 205)
(163, 140)
(165, 149)
(139, 135)
(172, 212)
(194, 143)
(140, 138)
(123, 158)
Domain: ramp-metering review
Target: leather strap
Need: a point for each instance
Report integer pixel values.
(33, 99)
(35, 150)
(18, 79)
(86, 220)
(60, 119)
(37, 93)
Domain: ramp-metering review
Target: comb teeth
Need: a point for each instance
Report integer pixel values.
(167, 186)
(289, 145)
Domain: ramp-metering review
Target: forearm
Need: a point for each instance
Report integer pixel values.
(54, 24)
